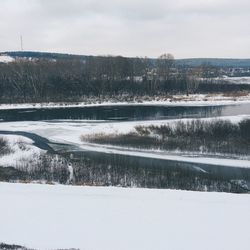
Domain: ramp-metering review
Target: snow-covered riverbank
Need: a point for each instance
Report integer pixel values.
(175, 100)
(22, 152)
(53, 217)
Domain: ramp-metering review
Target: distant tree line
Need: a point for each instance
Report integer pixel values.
(39, 80)
(4, 246)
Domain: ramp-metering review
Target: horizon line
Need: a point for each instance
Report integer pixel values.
(106, 55)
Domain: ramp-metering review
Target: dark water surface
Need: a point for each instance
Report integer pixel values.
(125, 170)
(123, 112)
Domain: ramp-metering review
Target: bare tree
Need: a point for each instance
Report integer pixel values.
(191, 78)
(164, 64)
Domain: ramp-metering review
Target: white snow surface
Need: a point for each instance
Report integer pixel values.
(6, 59)
(22, 151)
(108, 218)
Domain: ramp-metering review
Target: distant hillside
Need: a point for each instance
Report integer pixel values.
(218, 62)
(192, 62)
(46, 55)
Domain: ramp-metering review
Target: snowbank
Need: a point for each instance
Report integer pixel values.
(6, 59)
(94, 218)
(22, 151)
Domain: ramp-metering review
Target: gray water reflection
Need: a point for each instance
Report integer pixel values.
(124, 112)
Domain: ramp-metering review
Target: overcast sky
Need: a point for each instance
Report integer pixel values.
(185, 28)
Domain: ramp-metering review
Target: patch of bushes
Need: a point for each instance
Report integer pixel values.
(11, 174)
(4, 147)
(4, 246)
(216, 136)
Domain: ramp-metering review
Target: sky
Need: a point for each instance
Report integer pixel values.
(185, 28)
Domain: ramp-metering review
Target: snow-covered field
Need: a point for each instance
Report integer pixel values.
(175, 100)
(98, 218)
(235, 80)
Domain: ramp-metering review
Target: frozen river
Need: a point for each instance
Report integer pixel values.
(58, 130)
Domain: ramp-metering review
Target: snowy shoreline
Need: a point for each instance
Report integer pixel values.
(178, 100)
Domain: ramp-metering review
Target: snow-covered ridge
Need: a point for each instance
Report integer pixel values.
(22, 151)
(177, 100)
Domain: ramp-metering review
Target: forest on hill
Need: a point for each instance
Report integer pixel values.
(42, 77)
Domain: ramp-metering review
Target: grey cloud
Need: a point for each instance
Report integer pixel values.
(194, 28)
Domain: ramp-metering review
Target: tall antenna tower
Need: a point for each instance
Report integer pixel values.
(21, 40)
